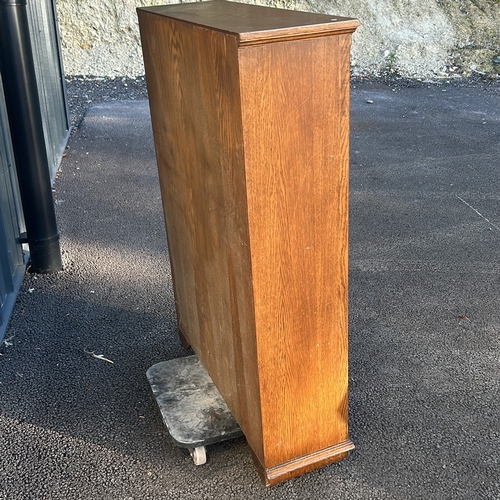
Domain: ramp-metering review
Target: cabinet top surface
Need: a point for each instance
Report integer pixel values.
(254, 23)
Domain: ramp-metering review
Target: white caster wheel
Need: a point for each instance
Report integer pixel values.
(199, 455)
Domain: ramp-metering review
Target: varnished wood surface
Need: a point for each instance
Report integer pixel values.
(254, 23)
(252, 152)
(295, 127)
(192, 78)
(303, 464)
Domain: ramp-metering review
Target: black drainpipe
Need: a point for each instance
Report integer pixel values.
(28, 142)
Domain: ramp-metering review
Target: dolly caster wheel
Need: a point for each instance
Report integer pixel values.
(199, 455)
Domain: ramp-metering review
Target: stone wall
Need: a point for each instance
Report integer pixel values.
(419, 38)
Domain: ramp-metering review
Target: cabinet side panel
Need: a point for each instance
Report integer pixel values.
(295, 102)
(192, 78)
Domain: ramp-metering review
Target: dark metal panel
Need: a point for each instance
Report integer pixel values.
(56, 127)
(50, 78)
(27, 137)
(12, 262)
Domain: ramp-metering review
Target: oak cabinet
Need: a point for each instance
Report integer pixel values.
(250, 115)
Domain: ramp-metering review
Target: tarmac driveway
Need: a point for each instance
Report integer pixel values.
(424, 318)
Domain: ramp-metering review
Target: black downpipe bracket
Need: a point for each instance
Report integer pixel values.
(28, 142)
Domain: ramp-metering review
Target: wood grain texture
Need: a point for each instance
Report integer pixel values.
(295, 103)
(252, 148)
(256, 24)
(192, 78)
(303, 464)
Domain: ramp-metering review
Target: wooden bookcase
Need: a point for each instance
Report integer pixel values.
(250, 114)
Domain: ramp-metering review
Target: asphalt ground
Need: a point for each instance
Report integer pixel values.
(424, 320)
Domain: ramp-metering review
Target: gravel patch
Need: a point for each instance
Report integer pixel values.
(84, 91)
